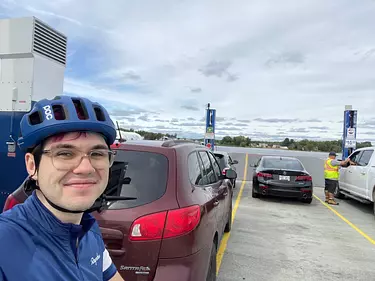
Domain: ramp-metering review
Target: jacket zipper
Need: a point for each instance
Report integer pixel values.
(76, 255)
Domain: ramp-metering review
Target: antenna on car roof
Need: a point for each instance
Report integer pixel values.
(119, 132)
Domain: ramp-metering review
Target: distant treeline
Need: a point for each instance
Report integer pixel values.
(291, 144)
(242, 141)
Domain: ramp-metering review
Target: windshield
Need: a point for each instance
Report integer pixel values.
(285, 164)
(138, 174)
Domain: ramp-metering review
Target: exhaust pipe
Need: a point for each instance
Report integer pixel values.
(304, 196)
(264, 192)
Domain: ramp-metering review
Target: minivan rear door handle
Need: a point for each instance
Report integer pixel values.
(116, 252)
(115, 236)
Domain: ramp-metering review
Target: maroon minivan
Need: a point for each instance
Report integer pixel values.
(183, 205)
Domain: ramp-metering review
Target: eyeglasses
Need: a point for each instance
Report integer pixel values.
(69, 158)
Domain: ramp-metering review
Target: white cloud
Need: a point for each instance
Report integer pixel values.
(249, 59)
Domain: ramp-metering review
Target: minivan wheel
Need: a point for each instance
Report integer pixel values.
(211, 274)
(228, 226)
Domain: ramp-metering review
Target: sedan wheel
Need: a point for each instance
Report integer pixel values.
(228, 226)
(254, 194)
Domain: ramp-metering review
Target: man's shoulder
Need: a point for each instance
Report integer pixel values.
(335, 162)
(12, 221)
(14, 237)
(13, 224)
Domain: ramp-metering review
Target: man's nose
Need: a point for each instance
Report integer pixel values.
(84, 167)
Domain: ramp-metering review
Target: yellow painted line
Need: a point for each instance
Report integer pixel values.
(224, 240)
(372, 241)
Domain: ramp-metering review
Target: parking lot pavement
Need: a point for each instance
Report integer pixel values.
(283, 239)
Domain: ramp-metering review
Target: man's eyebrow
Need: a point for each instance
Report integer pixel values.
(70, 146)
(99, 146)
(63, 145)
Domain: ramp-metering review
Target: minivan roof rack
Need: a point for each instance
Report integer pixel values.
(170, 143)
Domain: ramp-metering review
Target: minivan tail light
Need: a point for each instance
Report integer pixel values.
(10, 203)
(149, 227)
(166, 224)
(182, 221)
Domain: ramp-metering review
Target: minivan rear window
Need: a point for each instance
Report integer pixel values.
(139, 174)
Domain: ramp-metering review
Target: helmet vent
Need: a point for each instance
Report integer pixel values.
(80, 109)
(58, 111)
(35, 118)
(99, 114)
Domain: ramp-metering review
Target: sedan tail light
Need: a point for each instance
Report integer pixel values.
(166, 224)
(303, 178)
(264, 175)
(10, 203)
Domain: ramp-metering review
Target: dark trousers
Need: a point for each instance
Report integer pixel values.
(330, 185)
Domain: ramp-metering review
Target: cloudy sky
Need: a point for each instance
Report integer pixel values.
(272, 69)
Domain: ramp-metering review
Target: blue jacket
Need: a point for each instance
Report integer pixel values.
(36, 246)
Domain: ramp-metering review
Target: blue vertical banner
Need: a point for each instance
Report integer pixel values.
(209, 137)
(349, 142)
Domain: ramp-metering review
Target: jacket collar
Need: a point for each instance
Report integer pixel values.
(50, 223)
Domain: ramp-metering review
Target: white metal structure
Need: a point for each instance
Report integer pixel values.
(32, 62)
(129, 136)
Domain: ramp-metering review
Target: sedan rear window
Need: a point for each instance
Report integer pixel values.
(221, 159)
(137, 174)
(287, 164)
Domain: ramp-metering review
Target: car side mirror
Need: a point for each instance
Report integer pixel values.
(230, 174)
(234, 162)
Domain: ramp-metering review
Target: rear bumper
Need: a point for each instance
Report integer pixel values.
(190, 268)
(283, 192)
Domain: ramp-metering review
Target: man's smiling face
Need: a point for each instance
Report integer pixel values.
(73, 184)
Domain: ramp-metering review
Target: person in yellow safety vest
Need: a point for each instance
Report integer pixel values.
(331, 176)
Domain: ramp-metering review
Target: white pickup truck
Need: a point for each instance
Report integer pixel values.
(358, 181)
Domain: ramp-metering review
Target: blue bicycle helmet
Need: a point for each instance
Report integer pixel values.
(64, 114)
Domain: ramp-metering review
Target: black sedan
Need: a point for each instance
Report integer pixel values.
(225, 163)
(282, 176)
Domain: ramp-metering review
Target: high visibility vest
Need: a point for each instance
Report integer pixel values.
(330, 172)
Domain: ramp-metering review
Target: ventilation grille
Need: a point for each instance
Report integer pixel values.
(49, 43)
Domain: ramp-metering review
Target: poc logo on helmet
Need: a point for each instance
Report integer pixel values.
(48, 112)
